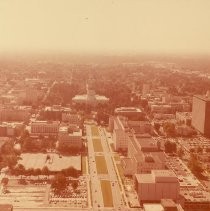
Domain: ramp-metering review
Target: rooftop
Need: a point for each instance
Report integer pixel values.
(185, 114)
(45, 122)
(153, 207)
(203, 97)
(6, 207)
(128, 109)
(163, 173)
(145, 178)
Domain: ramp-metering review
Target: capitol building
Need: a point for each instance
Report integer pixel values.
(91, 98)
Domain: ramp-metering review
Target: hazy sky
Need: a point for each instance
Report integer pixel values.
(168, 26)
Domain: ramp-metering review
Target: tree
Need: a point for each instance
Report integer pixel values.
(59, 182)
(195, 165)
(45, 171)
(169, 129)
(74, 184)
(157, 126)
(19, 170)
(37, 172)
(170, 147)
(71, 172)
(199, 150)
(5, 181)
(180, 152)
(30, 172)
(11, 160)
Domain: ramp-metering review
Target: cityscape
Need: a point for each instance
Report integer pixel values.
(107, 126)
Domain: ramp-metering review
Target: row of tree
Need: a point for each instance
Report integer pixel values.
(8, 155)
(20, 170)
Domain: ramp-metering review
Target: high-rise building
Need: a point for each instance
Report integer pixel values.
(201, 114)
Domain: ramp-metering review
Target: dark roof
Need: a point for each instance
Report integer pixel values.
(6, 207)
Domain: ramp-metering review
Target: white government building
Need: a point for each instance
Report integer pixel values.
(91, 97)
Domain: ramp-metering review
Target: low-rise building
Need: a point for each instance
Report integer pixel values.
(70, 137)
(55, 112)
(144, 155)
(44, 128)
(157, 185)
(6, 207)
(123, 128)
(71, 118)
(184, 117)
(17, 113)
(130, 112)
(164, 205)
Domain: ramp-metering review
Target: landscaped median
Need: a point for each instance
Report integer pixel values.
(84, 166)
(97, 145)
(101, 165)
(94, 131)
(107, 193)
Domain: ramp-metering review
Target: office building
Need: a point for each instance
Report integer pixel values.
(201, 114)
(70, 137)
(130, 112)
(143, 156)
(44, 128)
(14, 113)
(6, 207)
(159, 184)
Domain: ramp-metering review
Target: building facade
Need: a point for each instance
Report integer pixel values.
(45, 128)
(71, 139)
(160, 184)
(201, 114)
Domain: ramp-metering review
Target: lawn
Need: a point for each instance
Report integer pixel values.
(120, 170)
(112, 147)
(97, 145)
(55, 163)
(117, 158)
(91, 199)
(94, 131)
(84, 167)
(107, 193)
(101, 165)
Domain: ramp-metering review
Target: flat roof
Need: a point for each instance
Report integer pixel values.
(85, 97)
(128, 109)
(163, 173)
(145, 178)
(185, 114)
(45, 122)
(147, 142)
(153, 207)
(6, 207)
(203, 97)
